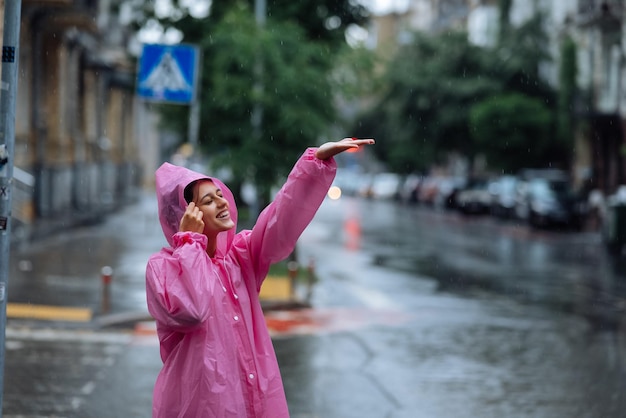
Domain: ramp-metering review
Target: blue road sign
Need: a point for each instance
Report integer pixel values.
(168, 73)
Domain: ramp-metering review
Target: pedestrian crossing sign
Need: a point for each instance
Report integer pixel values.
(168, 73)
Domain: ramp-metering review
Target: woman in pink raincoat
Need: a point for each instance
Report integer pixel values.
(203, 290)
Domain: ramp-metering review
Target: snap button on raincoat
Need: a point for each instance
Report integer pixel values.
(218, 358)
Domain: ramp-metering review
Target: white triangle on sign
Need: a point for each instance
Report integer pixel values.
(167, 75)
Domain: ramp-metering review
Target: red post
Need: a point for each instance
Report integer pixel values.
(292, 267)
(310, 279)
(106, 274)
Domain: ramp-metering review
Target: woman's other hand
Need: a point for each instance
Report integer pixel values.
(191, 220)
(330, 149)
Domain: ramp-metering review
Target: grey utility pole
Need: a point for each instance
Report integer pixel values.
(260, 12)
(260, 15)
(8, 93)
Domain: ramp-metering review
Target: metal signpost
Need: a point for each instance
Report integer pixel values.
(8, 93)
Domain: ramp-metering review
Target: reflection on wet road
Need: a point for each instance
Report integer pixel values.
(563, 270)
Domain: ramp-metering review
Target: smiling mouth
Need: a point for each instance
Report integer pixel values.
(223, 215)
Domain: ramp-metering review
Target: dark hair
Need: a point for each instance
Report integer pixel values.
(188, 192)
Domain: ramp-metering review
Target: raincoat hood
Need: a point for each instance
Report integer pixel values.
(171, 181)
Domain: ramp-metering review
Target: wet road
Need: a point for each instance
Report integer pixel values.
(564, 271)
(440, 315)
(417, 313)
(65, 269)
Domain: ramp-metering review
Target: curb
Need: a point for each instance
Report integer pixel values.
(122, 320)
(269, 305)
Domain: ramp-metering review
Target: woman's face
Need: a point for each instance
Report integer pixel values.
(214, 207)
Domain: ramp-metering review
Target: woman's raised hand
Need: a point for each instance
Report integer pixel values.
(330, 149)
(191, 220)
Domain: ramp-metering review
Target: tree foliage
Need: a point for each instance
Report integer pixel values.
(293, 93)
(513, 129)
(266, 91)
(324, 21)
(568, 72)
(518, 58)
(431, 85)
(435, 81)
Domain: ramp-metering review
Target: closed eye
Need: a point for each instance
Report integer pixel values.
(208, 198)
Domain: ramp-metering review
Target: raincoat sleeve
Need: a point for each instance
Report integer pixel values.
(178, 283)
(279, 226)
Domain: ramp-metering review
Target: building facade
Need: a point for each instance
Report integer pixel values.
(600, 39)
(76, 153)
(597, 29)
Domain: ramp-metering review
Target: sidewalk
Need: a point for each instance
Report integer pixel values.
(275, 295)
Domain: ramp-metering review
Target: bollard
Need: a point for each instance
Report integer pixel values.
(292, 268)
(106, 274)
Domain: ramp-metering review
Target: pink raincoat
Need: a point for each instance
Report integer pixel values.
(217, 353)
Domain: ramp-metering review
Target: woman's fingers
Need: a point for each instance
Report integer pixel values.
(330, 149)
(192, 219)
(362, 141)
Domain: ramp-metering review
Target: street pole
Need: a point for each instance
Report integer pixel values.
(256, 118)
(260, 15)
(194, 108)
(260, 12)
(8, 93)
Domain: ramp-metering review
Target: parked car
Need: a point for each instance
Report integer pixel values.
(522, 200)
(385, 186)
(410, 188)
(363, 185)
(475, 198)
(553, 202)
(614, 222)
(351, 182)
(429, 188)
(504, 192)
(449, 187)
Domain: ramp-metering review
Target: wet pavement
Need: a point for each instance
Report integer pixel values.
(416, 313)
(66, 269)
(442, 315)
(53, 372)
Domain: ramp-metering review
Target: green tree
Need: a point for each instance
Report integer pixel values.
(433, 83)
(514, 131)
(423, 114)
(295, 98)
(504, 7)
(323, 21)
(518, 57)
(568, 72)
(284, 68)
